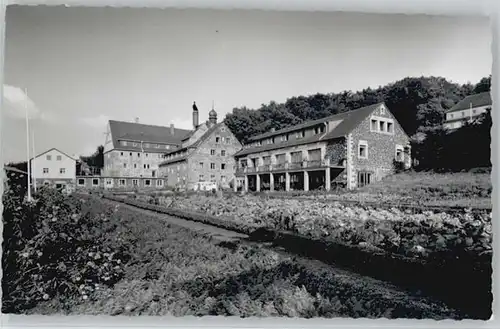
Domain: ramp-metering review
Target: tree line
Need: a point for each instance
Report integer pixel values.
(418, 103)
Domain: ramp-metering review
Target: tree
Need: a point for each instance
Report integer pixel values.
(483, 85)
(95, 160)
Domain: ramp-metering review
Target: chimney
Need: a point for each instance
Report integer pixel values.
(172, 130)
(195, 116)
(136, 120)
(272, 130)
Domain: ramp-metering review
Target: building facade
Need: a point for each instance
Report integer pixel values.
(351, 149)
(468, 109)
(54, 168)
(134, 150)
(206, 154)
(116, 183)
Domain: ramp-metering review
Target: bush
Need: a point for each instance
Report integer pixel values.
(55, 246)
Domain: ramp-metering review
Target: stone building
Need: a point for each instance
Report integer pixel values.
(468, 109)
(206, 154)
(352, 148)
(132, 153)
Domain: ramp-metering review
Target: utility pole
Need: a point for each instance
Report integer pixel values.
(34, 155)
(27, 144)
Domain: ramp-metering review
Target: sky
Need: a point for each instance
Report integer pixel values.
(84, 66)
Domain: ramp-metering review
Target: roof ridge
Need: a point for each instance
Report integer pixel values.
(147, 124)
(325, 118)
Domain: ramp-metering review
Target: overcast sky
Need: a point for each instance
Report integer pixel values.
(83, 66)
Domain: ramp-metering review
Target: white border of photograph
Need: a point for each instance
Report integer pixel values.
(432, 7)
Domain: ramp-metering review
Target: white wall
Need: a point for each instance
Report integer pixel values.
(54, 166)
(466, 113)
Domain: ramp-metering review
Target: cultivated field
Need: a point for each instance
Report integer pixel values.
(87, 256)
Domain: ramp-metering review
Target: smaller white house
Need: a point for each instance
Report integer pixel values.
(54, 168)
(468, 109)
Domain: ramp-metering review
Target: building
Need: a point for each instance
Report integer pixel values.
(206, 154)
(468, 109)
(132, 153)
(352, 148)
(54, 168)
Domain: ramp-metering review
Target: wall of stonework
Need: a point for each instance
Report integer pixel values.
(175, 173)
(131, 164)
(203, 155)
(381, 147)
(336, 151)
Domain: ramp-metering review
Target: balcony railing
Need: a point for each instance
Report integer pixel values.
(284, 166)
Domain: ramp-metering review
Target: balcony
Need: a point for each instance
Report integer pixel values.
(314, 164)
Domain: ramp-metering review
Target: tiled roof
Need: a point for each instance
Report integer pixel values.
(121, 130)
(194, 145)
(348, 121)
(476, 100)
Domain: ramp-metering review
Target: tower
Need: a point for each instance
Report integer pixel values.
(195, 116)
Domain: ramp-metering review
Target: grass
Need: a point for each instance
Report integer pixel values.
(174, 271)
(466, 189)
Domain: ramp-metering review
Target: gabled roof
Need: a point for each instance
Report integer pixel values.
(192, 146)
(476, 100)
(52, 149)
(130, 131)
(348, 121)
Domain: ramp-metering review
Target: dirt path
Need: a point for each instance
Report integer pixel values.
(218, 234)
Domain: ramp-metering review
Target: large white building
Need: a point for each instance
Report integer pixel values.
(54, 168)
(468, 109)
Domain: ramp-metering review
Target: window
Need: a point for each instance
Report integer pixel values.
(222, 129)
(121, 154)
(124, 165)
(144, 166)
(300, 134)
(62, 170)
(374, 125)
(148, 166)
(390, 127)
(49, 157)
(223, 153)
(212, 165)
(399, 153)
(284, 138)
(382, 125)
(59, 158)
(138, 155)
(223, 179)
(319, 130)
(474, 111)
(146, 155)
(147, 182)
(217, 139)
(212, 178)
(201, 178)
(134, 182)
(243, 163)
(201, 164)
(123, 143)
(109, 182)
(95, 181)
(228, 140)
(122, 182)
(363, 150)
(364, 178)
(159, 182)
(212, 152)
(130, 153)
(450, 115)
(81, 182)
(223, 166)
(45, 170)
(135, 165)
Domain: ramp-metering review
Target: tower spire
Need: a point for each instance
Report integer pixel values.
(212, 104)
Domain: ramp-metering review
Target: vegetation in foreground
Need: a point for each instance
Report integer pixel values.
(124, 262)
